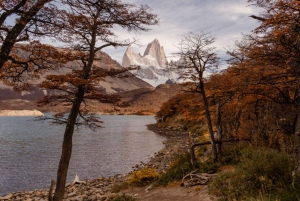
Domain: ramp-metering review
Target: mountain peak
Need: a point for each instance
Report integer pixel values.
(153, 63)
(156, 51)
(129, 49)
(154, 55)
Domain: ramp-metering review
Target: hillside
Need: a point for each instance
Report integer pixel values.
(10, 99)
(142, 101)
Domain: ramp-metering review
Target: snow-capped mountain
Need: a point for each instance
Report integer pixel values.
(153, 64)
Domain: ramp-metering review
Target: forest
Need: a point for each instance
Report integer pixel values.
(253, 103)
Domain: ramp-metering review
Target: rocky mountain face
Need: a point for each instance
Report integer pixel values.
(153, 64)
(110, 85)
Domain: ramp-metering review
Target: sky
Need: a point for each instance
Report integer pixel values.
(224, 19)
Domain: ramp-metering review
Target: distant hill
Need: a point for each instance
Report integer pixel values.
(142, 96)
(110, 85)
(144, 101)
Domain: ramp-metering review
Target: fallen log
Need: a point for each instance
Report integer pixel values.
(192, 146)
(218, 142)
(193, 179)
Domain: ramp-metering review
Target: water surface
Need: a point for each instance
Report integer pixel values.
(30, 150)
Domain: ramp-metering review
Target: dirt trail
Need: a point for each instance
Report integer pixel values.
(174, 193)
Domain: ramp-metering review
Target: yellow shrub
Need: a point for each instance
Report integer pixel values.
(143, 177)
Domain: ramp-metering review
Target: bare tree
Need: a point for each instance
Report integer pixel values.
(197, 57)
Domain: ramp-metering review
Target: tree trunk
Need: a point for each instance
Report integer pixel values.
(67, 143)
(209, 123)
(192, 151)
(50, 194)
(67, 148)
(219, 128)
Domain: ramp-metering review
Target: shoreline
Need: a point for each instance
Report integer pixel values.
(20, 113)
(176, 141)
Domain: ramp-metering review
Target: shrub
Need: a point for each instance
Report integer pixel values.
(182, 166)
(177, 169)
(197, 128)
(266, 165)
(143, 177)
(207, 166)
(231, 154)
(261, 172)
(124, 197)
(117, 187)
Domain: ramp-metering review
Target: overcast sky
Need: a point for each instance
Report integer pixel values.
(224, 19)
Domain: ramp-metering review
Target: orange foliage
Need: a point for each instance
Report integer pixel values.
(187, 105)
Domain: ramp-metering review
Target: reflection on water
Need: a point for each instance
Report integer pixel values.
(30, 150)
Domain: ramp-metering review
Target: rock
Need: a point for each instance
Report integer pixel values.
(7, 197)
(156, 51)
(71, 194)
(154, 55)
(153, 64)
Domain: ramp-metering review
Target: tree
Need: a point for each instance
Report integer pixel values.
(22, 57)
(30, 17)
(88, 27)
(197, 57)
(277, 43)
(266, 63)
(277, 39)
(263, 87)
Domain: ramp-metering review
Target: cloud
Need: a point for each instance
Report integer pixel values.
(224, 19)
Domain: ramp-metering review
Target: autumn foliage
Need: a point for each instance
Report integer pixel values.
(257, 96)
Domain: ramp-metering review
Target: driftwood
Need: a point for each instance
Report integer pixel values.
(50, 195)
(193, 179)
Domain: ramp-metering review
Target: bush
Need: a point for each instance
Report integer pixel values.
(143, 177)
(117, 187)
(182, 166)
(196, 128)
(261, 172)
(124, 197)
(231, 154)
(177, 169)
(207, 166)
(266, 165)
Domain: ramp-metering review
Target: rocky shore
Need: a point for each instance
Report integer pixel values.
(100, 189)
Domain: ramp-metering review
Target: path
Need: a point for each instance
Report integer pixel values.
(174, 193)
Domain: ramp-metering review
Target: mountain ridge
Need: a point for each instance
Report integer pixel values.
(153, 68)
(110, 85)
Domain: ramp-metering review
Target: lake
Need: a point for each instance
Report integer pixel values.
(30, 150)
